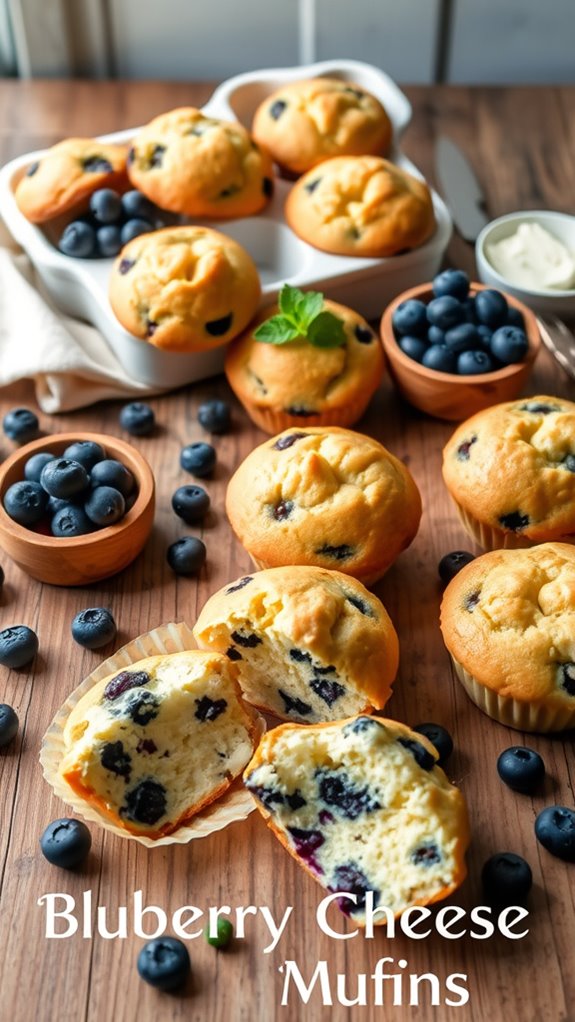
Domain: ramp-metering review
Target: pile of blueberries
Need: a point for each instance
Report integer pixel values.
(75, 493)
(460, 333)
(113, 221)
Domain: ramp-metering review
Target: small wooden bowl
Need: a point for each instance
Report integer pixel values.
(445, 395)
(79, 560)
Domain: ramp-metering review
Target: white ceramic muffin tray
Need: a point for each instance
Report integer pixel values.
(79, 287)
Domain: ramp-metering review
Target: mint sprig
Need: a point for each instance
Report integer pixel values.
(302, 315)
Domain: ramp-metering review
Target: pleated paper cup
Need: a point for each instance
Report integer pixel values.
(236, 804)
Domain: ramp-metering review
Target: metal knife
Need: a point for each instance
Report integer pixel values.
(461, 189)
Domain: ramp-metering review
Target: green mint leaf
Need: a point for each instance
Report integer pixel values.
(289, 298)
(277, 330)
(326, 331)
(308, 308)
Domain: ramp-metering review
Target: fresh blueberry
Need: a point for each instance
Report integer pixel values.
(215, 416)
(440, 358)
(470, 313)
(2, 577)
(422, 757)
(491, 308)
(506, 879)
(435, 335)
(485, 333)
(223, 935)
(108, 240)
(79, 240)
(190, 503)
(555, 830)
(35, 464)
(186, 556)
(521, 769)
(137, 418)
(463, 337)
(454, 283)
(64, 478)
(18, 646)
(56, 504)
(439, 738)
(198, 459)
(25, 502)
(106, 206)
(8, 724)
(514, 318)
(509, 344)
(21, 425)
(470, 363)
(87, 452)
(93, 627)
(410, 317)
(105, 506)
(70, 521)
(413, 347)
(110, 472)
(137, 206)
(452, 563)
(66, 843)
(134, 228)
(164, 963)
(445, 312)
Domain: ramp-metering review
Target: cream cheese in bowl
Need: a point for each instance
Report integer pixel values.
(534, 258)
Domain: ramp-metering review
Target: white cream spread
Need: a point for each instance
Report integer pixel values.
(533, 258)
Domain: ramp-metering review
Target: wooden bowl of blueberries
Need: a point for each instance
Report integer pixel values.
(455, 347)
(75, 508)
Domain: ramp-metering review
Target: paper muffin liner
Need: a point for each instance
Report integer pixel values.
(273, 421)
(490, 538)
(235, 804)
(537, 716)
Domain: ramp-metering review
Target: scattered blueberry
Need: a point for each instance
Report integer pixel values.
(521, 769)
(506, 879)
(422, 757)
(66, 843)
(439, 738)
(134, 228)
(491, 308)
(223, 936)
(452, 563)
(215, 416)
(93, 627)
(18, 646)
(70, 521)
(64, 478)
(108, 241)
(8, 724)
(137, 418)
(105, 506)
(451, 282)
(413, 347)
(198, 459)
(110, 472)
(105, 206)
(410, 317)
(137, 206)
(35, 464)
(555, 830)
(187, 555)
(20, 424)
(25, 502)
(164, 963)
(78, 239)
(440, 358)
(190, 503)
(470, 363)
(445, 312)
(509, 344)
(86, 452)
(463, 337)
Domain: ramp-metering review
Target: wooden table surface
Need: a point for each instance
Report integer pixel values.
(522, 142)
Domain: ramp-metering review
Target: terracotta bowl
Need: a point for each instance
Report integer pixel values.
(445, 395)
(79, 560)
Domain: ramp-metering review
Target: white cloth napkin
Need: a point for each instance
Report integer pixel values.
(68, 360)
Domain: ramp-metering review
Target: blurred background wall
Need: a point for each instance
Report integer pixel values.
(469, 41)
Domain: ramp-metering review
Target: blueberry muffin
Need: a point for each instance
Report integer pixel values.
(508, 621)
(324, 497)
(360, 206)
(197, 165)
(151, 746)
(66, 175)
(304, 123)
(363, 807)
(309, 644)
(280, 384)
(511, 472)
(184, 288)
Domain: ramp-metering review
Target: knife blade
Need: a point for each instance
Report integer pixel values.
(460, 187)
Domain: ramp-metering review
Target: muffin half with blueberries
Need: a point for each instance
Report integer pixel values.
(307, 360)
(511, 471)
(508, 622)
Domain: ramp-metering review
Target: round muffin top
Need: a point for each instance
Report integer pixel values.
(300, 378)
(329, 497)
(304, 123)
(189, 163)
(509, 618)
(360, 205)
(184, 288)
(67, 174)
(513, 467)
